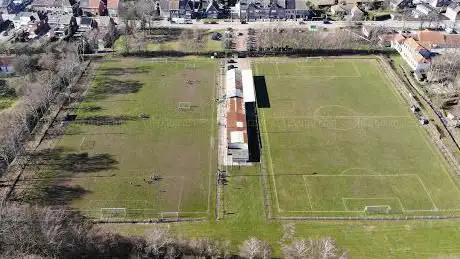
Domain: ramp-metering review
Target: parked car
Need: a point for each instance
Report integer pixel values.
(326, 22)
(244, 22)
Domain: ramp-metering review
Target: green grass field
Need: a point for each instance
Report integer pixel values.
(141, 118)
(338, 137)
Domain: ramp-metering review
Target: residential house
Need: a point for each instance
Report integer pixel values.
(355, 14)
(302, 9)
(212, 10)
(423, 10)
(438, 3)
(6, 64)
(366, 30)
(416, 56)
(341, 9)
(5, 6)
(452, 12)
(55, 6)
(400, 4)
(85, 23)
(94, 6)
(324, 3)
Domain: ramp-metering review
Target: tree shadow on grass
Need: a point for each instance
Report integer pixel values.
(103, 120)
(123, 71)
(109, 86)
(63, 161)
(53, 169)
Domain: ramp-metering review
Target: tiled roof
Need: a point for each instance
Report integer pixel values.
(94, 4)
(399, 38)
(236, 118)
(452, 40)
(431, 37)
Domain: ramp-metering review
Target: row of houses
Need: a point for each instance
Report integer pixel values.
(93, 7)
(434, 9)
(251, 10)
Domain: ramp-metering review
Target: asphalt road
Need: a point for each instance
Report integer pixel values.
(236, 25)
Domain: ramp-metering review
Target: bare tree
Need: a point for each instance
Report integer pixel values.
(157, 240)
(313, 248)
(254, 248)
(24, 64)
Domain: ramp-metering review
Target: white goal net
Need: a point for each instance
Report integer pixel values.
(377, 209)
(113, 213)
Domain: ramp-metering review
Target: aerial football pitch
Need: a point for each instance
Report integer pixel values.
(140, 145)
(339, 140)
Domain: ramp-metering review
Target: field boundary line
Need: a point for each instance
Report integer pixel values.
(429, 195)
(179, 203)
(308, 193)
(272, 172)
(360, 175)
(277, 70)
(356, 69)
(345, 204)
(309, 76)
(211, 138)
(341, 116)
(359, 168)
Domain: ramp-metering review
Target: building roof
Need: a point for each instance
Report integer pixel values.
(249, 94)
(452, 40)
(355, 9)
(234, 83)
(324, 2)
(399, 38)
(5, 3)
(236, 121)
(50, 3)
(94, 4)
(455, 7)
(419, 53)
(342, 7)
(211, 4)
(431, 38)
(301, 5)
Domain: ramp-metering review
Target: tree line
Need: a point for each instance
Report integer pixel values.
(40, 232)
(41, 75)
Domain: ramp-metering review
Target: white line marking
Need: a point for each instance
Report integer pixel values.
(308, 193)
(271, 163)
(431, 198)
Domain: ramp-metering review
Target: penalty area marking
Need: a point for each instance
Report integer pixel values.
(344, 199)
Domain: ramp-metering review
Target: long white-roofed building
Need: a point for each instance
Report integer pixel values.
(240, 100)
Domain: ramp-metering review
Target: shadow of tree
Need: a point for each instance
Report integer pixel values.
(61, 160)
(109, 86)
(53, 170)
(123, 71)
(102, 120)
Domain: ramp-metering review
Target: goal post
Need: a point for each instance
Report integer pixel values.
(184, 106)
(113, 213)
(173, 215)
(377, 209)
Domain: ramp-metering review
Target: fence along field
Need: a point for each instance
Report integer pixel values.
(340, 141)
(140, 145)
